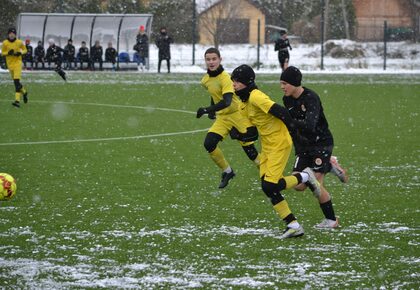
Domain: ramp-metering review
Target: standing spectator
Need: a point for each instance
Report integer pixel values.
(281, 45)
(69, 55)
(84, 55)
(28, 57)
(163, 42)
(54, 54)
(111, 55)
(96, 53)
(142, 48)
(40, 55)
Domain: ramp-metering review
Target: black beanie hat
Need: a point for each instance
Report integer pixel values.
(12, 29)
(244, 74)
(292, 75)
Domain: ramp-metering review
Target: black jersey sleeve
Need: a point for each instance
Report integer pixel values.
(227, 100)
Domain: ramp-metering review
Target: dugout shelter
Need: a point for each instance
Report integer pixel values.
(120, 29)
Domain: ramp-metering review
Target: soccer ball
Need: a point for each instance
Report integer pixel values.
(7, 186)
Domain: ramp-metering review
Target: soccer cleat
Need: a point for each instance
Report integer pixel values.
(16, 104)
(25, 97)
(292, 233)
(337, 170)
(327, 224)
(312, 182)
(225, 178)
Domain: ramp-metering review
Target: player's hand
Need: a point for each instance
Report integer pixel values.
(17, 53)
(234, 133)
(201, 112)
(11, 52)
(211, 115)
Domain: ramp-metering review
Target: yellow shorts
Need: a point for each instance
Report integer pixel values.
(16, 72)
(224, 124)
(273, 161)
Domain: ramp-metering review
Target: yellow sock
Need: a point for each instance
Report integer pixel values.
(17, 96)
(291, 181)
(23, 90)
(219, 158)
(282, 209)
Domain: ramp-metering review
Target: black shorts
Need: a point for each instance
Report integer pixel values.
(283, 56)
(319, 161)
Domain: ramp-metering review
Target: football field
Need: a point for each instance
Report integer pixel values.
(116, 190)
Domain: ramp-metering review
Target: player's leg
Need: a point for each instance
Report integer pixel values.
(59, 70)
(159, 63)
(338, 171)
(217, 133)
(168, 63)
(273, 182)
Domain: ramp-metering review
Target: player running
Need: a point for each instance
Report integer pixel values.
(276, 145)
(224, 109)
(312, 138)
(13, 49)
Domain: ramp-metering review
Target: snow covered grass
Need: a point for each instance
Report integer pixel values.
(137, 207)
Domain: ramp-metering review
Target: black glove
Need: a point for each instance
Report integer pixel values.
(11, 52)
(18, 53)
(211, 115)
(201, 112)
(234, 133)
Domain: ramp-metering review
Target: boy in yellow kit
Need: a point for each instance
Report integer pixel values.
(13, 49)
(225, 109)
(276, 145)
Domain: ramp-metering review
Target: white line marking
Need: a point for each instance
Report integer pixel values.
(110, 138)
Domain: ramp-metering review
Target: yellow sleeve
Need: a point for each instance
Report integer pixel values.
(4, 50)
(262, 101)
(227, 85)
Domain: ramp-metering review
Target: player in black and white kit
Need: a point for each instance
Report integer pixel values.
(282, 45)
(311, 136)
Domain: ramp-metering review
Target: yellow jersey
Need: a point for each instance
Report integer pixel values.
(17, 45)
(273, 131)
(218, 86)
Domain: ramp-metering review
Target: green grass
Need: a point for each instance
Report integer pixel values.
(107, 198)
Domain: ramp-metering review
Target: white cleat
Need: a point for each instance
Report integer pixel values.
(337, 170)
(312, 182)
(327, 224)
(292, 233)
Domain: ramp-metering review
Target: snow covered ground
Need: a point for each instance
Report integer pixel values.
(305, 56)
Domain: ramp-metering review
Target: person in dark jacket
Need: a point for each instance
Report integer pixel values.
(39, 55)
(163, 42)
(96, 53)
(311, 135)
(84, 55)
(54, 55)
(142, 49)
(28, 57)
(111, 55)
(69, 55)
(281, 45)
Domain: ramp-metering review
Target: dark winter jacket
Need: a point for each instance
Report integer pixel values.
(163, 42)
(142, 45)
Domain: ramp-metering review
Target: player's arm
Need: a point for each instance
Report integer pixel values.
(24, 49)
(251, 134)
(4, 50)
(283, 114)
(224, 103)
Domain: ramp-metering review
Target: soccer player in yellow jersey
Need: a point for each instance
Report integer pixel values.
(276, 145)
(224, 109)
(13, 49)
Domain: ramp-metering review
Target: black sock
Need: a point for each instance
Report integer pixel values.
(328, 210)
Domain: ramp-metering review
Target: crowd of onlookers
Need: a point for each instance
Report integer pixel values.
(92, 58)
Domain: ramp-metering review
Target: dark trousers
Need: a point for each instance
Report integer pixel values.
(168, 62)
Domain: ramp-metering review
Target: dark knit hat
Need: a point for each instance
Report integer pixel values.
(244, 74)
(292, 75)
(11, 30)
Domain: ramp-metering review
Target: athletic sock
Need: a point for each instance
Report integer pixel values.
(283, 210)
(219, 158)
(328, 210)
(17, 96)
